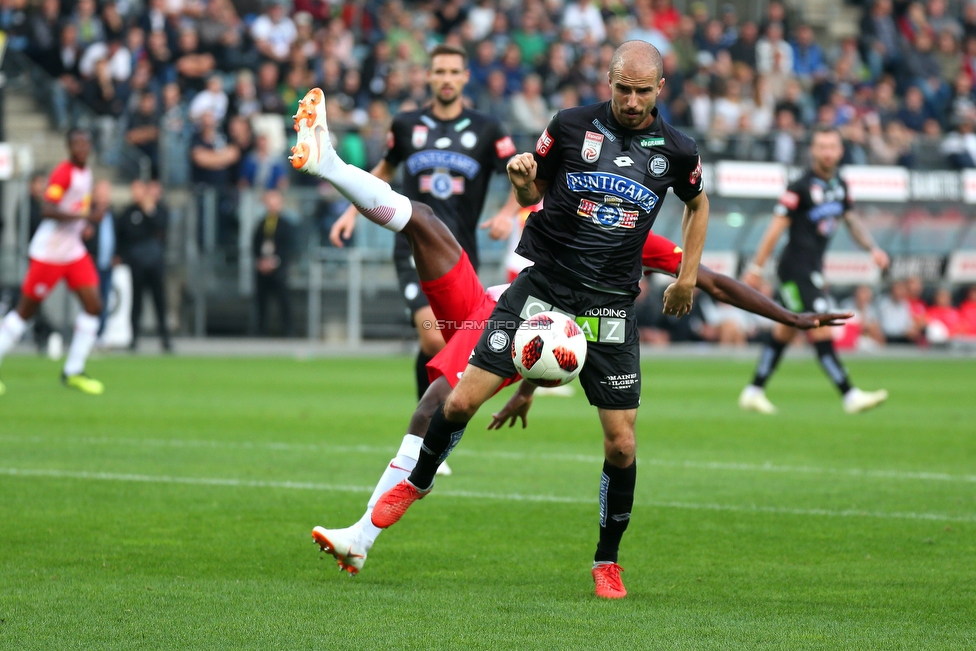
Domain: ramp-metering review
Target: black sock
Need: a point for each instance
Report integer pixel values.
(832, 366)
(616, 501)
(420, 368)
(442, 435)
(768, 362)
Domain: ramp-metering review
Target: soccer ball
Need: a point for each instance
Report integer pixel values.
(549, 349)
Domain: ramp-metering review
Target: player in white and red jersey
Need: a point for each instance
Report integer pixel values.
(57, 253)
(460, 305)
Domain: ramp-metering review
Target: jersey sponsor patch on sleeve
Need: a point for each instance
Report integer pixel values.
(696, 173)
(390, 140)
(790, 200)
(504, 147)
(544, 144)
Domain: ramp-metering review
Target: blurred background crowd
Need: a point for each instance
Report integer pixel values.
(181, 80)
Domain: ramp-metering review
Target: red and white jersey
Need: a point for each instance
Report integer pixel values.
(56, 242)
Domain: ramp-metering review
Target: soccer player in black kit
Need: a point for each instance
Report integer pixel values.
(810, 210)
(604, 171)
(449, 153)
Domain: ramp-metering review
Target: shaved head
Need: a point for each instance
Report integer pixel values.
(636, 79)
(638, 55)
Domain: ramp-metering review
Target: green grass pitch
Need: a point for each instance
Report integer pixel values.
(175, 511)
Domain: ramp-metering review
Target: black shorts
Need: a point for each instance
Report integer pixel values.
(611, 375)
(409, 282)
(802, 291)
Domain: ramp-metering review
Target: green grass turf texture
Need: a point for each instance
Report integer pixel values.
(809, 557)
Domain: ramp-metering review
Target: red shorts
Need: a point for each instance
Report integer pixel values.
(42, 277)
(661, 255)
(461, 305)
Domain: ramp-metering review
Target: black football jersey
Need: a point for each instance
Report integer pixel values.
(447, 165)
(815, 208)
(606, 185)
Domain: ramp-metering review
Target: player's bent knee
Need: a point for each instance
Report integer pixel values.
(460, 408)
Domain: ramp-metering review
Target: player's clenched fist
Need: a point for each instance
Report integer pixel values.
(521, 170)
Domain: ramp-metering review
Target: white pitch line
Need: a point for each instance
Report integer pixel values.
(501, 454)
(505, 497)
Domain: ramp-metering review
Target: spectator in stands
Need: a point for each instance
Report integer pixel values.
(143, 131)
(784, 137)
(959, 146)
(889, 145)
(915, 289)
(244, 100)
(87, 23)
(945, 314)
(583, 23)
(744, 48)
(967, 311)
(261, 169)
(940, 21)
(43, 31)
(274, 32)
(948, 55)
(493, 100)
(529, 112)
(193, 65)
(141, 232)
(914, 113)
(273, 245)
(808, 58)
(866, 314)
(529, 39)
(913, 23)
(647, 30)
(161, 57)
(895, 315)
(240, 135)
(769, 47)
(175, 137)
(267, 89)
(211, 99)
(880, 39)
(211, 154)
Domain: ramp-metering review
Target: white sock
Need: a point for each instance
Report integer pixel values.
(86, 331)
(373, 197)
(11, 330)
(396, 471)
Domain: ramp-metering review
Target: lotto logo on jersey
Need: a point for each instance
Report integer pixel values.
(592, 146)
(544, 144)
(607, 215)
(504, 147)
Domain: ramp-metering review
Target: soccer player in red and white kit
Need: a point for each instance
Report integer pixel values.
(460, 304)
(58, 253)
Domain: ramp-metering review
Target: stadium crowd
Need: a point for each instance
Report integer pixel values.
(190, 75)
(204, 88)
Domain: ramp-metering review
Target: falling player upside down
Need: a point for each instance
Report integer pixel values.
(462, 306)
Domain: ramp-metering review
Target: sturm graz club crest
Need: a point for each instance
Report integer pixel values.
(498, 341)
(657, 165)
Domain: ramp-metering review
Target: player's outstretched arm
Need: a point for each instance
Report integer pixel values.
(679, 295)
(516, 407)
(731, 291)
(522, 169)
(343, 228)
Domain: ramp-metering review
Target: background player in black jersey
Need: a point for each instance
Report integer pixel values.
(449, 153)
(810, 210)
(604, 171)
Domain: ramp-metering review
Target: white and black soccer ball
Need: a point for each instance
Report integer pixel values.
(549, 349)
